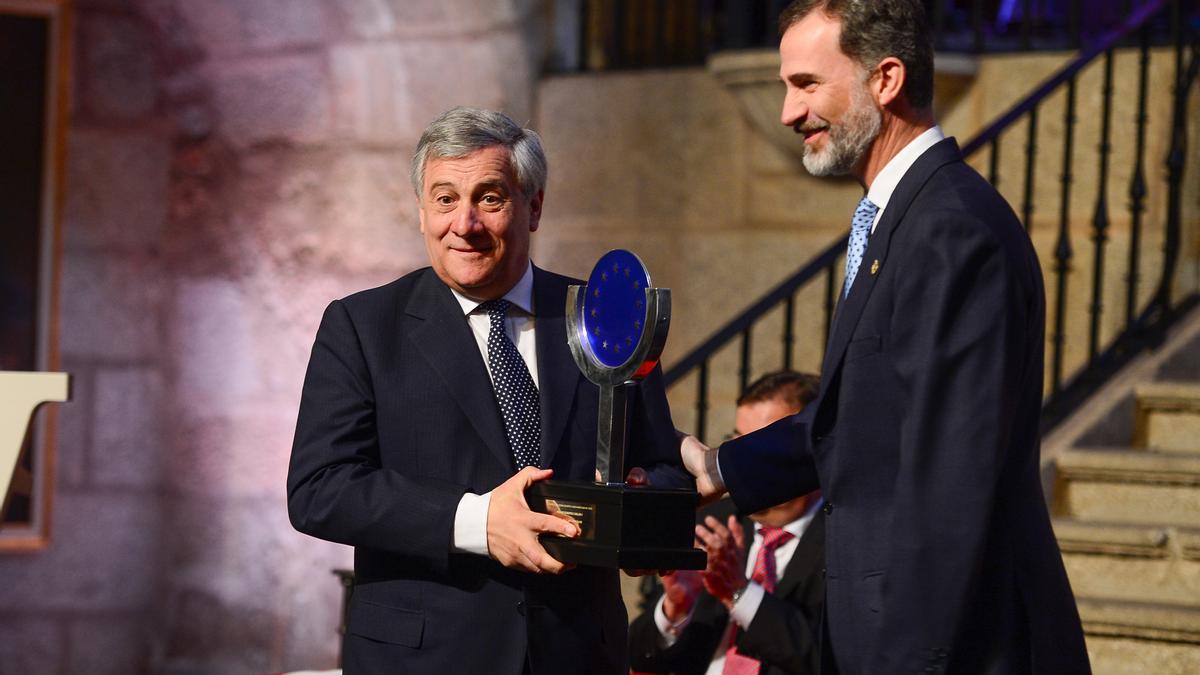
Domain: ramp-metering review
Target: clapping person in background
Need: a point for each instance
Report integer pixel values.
(755, 608)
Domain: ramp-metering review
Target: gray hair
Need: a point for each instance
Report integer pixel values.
(461, 131)
(873, 30)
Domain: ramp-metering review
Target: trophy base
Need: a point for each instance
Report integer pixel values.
(621, 526)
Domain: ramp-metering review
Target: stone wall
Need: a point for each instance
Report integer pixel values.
(233, 165)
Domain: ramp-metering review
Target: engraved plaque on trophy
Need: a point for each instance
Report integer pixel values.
(616, 327)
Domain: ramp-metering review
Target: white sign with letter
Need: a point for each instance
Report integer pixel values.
(20, 395)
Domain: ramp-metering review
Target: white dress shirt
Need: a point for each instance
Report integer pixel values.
(743, 611)
(470, 518)
(889, 177)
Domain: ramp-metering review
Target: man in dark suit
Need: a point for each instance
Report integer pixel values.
(431, 403)
(924, 438)
(769, 584)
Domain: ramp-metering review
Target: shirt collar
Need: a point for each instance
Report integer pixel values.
(520, 295)
(887, 179)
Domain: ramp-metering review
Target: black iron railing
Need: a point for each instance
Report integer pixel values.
(621, 34)
(1144, 322)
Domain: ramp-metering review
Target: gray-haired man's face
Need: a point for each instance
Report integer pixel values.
(476, 222)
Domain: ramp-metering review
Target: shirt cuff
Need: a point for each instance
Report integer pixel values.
(746, 607)
(668, 632)
(470, 524)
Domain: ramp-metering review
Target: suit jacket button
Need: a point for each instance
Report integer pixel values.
(828, 508)
(822, 572)
(521, 607)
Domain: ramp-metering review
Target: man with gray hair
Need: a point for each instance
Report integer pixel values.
(924, 437)
(431, 403)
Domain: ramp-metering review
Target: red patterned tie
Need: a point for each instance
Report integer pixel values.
(765, 575)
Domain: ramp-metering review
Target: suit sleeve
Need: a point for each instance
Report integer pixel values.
(690, 653)
(959, 343)
(771, 465)
(336, 487)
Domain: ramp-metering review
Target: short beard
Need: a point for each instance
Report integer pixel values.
(848, 141)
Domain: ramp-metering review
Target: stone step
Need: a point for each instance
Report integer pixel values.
(1149, 563)
(1138, 637)
(1143, 620)
(1128, 486)
(1168, 416)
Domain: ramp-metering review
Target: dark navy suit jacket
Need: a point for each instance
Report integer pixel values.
(925, 442)
(397, 420)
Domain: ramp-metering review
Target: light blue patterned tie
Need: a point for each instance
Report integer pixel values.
(860, 227)
(515, 390)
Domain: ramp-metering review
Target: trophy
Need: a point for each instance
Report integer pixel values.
(616, 328)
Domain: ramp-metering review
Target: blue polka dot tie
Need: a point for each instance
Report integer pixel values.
(515, 389)
(860, 227)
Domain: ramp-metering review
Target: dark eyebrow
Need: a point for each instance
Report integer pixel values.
(795, 78)
(497, 185)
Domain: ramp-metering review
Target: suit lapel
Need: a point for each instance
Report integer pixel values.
(558, 375)
(443, 336)
(850, 308)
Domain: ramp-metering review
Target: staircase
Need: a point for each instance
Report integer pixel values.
(1128, 523)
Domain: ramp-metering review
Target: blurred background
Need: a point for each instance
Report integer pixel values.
(215, 172)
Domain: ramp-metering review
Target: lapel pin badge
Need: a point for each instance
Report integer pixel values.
(874, 266)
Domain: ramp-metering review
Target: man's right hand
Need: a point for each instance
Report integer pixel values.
(701, 461)
(513, 528)
(680, 589)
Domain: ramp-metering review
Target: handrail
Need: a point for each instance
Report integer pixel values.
(1176, 157)
(761, 306)
(742, 324)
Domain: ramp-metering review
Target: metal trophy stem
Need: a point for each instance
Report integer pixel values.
(613, 432)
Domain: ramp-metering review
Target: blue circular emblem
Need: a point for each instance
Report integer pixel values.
(614, 307)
